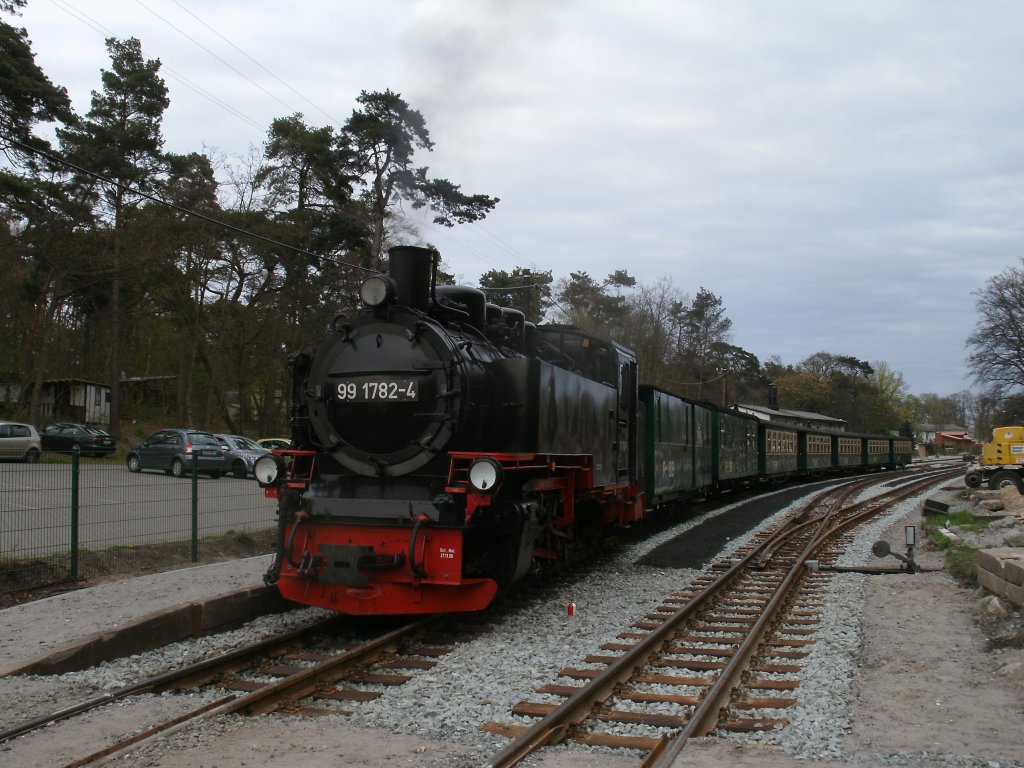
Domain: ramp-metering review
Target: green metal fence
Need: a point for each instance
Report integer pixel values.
(67, 517)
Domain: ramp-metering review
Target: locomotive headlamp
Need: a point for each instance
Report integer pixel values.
(485, 475)
(267, 470)
(377, 290)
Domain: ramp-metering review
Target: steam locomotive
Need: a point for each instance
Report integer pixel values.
(444, 447)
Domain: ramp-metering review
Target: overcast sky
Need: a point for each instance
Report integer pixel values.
(844, 175)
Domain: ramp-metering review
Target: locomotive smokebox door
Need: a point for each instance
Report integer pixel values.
(389, 395)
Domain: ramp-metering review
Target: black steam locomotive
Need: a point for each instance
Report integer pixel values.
(443, 447)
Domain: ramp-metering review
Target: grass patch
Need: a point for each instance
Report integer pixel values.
(961, 560)
(965, 520)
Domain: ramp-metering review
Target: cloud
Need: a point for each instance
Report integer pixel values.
(843, 174)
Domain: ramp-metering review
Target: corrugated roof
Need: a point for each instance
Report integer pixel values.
(791, 414)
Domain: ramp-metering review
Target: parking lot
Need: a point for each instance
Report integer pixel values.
(117, 508)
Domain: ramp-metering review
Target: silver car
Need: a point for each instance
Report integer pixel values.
(19, 441)
(240, 453)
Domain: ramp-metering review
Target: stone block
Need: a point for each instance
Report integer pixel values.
(996, 558)
(1011, 497)
(1013, 570)
(1015, 594)
(993, 583)
(1001, 571)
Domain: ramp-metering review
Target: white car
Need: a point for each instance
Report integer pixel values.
(19, 441)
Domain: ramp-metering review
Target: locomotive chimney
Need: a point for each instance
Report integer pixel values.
(410, 266)
(773, 396)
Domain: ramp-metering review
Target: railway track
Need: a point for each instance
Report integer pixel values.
(722, 655)
(670, 686)
(304, 672)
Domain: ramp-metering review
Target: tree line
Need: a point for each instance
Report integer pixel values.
(121, 260)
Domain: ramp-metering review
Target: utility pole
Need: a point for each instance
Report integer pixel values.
(526, 275)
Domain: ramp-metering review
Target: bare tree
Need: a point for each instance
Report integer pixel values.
(997, 343)
(655, 314)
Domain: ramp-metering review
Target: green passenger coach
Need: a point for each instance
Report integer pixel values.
(816, 451)
(735, 447)
(688, 448)
(667, 436)
(777, 447)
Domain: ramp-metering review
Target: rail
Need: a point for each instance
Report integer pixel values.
(813, 530)
(267, 697)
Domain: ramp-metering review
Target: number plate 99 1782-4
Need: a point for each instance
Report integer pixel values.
(378, 391)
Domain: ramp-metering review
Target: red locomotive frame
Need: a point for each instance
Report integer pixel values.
(417, 568)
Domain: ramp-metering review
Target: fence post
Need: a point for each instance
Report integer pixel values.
(74, 512)
(195, 506)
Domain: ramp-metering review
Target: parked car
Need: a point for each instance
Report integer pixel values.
(270, 443)
(241, 453)
(63, 436)
(172, 450)
(19, 441)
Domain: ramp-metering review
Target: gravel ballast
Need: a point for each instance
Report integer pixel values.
(435, 718)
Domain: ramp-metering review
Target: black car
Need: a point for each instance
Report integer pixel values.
(63, 436)
(173, 451)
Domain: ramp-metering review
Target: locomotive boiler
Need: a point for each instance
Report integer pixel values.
(443, 447)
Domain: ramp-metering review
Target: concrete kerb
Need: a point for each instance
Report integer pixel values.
(159, 628)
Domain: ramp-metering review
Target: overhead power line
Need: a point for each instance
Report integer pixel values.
(227, 64)
(494, 245)
(97, 26)
(261, 66)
